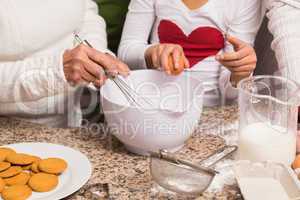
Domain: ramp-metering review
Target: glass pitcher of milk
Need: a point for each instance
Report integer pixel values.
(268, 119)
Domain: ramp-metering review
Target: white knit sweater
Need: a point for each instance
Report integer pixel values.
(284, 24)
(33, 36)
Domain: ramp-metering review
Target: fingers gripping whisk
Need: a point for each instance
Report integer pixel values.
(130, 94)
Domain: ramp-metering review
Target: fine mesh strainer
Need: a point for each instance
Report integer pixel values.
(182, 176)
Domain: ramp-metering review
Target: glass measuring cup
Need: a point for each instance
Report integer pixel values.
(268, 119)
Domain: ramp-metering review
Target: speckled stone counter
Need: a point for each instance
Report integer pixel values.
(120, 174)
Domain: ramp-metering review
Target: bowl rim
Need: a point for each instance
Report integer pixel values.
(103, 96)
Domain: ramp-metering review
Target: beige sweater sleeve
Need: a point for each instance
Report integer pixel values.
(284, 25)
(93, 27)
(37, 77)
(31, 79)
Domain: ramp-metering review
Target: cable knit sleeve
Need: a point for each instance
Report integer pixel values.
(243, 23)
(284, 25)
(94, 28)
(31, 79)
(136, 32)
(34, 78)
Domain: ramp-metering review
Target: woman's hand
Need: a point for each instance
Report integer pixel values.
(157, 57)
(86, 65)
(241, 62)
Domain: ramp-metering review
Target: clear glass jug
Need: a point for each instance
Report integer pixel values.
(268, 119)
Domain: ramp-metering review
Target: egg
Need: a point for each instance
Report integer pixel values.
(296, 163)
(171, 65)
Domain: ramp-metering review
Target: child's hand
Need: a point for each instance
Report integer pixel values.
(157, 57)
(241, 62)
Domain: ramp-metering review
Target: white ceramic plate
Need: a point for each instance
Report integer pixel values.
(77, 174)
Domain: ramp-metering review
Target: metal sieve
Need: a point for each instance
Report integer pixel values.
(182, 176)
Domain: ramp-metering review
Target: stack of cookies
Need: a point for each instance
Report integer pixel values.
(20, 174)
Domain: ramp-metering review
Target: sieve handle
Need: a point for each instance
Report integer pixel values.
(215, 158)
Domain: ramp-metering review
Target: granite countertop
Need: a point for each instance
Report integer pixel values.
(119, 173)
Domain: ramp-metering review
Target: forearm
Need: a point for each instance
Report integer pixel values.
(93, 27)
(284, 25)
(136, 32)
(133, 54)
(31, 79)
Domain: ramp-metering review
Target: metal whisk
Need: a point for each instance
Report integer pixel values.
(130, 94)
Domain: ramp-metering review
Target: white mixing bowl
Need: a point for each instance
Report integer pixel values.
(178, 107)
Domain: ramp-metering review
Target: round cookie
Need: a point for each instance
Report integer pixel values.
(4, 152)
(16, 192)
(42, 182)
(53, 165)
(29, 167)
(2, 185)
(4, 166)
(35, 167)
(20, 179)
(12, 171)
(36, 158)
(20, 159)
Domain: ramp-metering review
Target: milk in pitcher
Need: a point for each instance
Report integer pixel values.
(261, 141)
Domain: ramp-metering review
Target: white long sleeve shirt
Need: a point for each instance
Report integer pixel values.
(284, 24)
(200, 33)
(33, 36)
